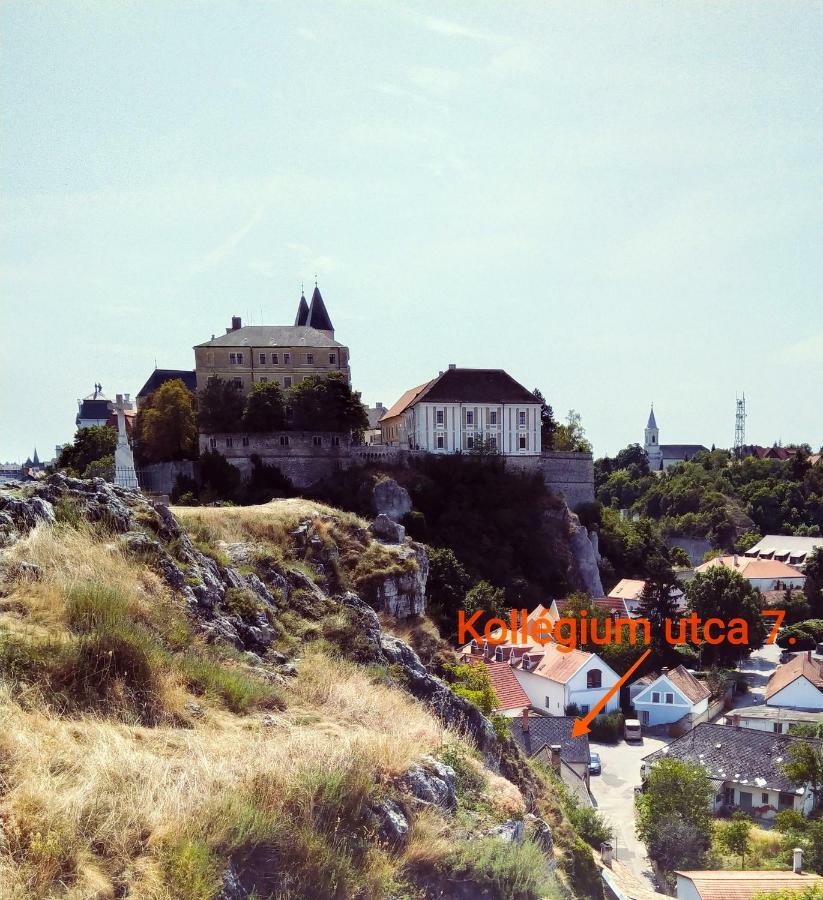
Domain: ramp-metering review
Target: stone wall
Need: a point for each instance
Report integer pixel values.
(159, 478)
(567, 474)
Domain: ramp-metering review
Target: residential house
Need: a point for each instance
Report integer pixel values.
(463, 410)
(764, 574)
(514, 645)
(797, 684)
(787, 548)
(664, 456)
(285, 354)
(668, 697)
(630, 590)
(613, 607)
(512, 700)
(776, 719)
(775, 452)
(745, 768)
(730, 884)
(549, 739)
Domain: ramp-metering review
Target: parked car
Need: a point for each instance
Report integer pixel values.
(632, 730)
(594, 763)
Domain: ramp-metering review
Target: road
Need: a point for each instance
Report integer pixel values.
(613, 792)
(757, 669)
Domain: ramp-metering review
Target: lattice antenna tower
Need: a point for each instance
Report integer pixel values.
(740, 427)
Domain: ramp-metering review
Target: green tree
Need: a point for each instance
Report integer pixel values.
(572, 435)
(675, 803)
(657, 604)
(220, 406)
(724, 594)
(746, 541)
(264, 410)
(548, 425)
(735, 836)
(486, 598)
(472, 681)
(89, 445)
(165, 427)
(806, 766)
(326, 403)
(446, 588)
(813, 588)
(220, 479)
(813, 892)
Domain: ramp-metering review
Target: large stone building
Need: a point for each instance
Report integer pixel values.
(285, 354)
(462, 408)
(664, 456)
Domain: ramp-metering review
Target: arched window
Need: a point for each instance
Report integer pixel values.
(594, 678)
(498, 654)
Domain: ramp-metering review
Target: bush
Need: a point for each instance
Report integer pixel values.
(238, 691)
(243, 603)
(507, 871)
(184, 489)
(590, 825)
(91, 606)
(795, 638)
(607, 728)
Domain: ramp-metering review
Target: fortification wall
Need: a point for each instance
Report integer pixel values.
(567, 474)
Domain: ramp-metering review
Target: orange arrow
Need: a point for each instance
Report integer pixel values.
(581, 726)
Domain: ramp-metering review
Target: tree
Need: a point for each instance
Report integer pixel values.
(220, 406)
(326, 403)
(813, 588)
(657, 604)
(736, 835)
(813, 892)
(265, 410)
(472, 681)
(486, 598)
(548, 425)
(633, 456)
(806, 766)
(722, 593)
(674, 814)
(90, 445)
(220, 479)
(446, 588)
(165, 427)
(572, 435)
(746, 541)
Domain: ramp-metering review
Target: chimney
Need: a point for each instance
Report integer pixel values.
(524, 723)
(664, 670)
(606, 854)
(452, 365)
(236, 323)
(736, 563)
(555, 751)
(797, 861)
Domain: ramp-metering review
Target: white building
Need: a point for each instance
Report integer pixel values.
(630, 591)
(664, 456)
(669, 697)
(464, 410)
(725, 884)
(94, 409)
(764, 574)
(775, 719)
(787, 548)
(797, 684)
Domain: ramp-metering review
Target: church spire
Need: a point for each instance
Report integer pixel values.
(318, 316)
(651, 423)
(302, 311)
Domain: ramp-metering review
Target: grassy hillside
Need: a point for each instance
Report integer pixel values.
(144, 754)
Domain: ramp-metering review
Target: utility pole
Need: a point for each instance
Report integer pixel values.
(740, 427)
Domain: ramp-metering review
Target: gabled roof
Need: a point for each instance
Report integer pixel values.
(476, 386)
(610, 605)
(558, 665)
(681, 451)
(800, 666)
(727, 884)
(628, 589)
(302, 316)
(753, 568)
(404, 402)
(160, 376)
(318, 316)
(506, 686)
(272, 336)
(683, 680)
(548, 730)
(731, 754)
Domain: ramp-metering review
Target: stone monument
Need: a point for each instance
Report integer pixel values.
(125, 474)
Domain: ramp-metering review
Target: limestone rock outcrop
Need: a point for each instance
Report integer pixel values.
(586, 556)
(391, 499)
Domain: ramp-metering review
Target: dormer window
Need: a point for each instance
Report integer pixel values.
(498, 654)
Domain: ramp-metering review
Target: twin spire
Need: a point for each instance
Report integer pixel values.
(313, 315)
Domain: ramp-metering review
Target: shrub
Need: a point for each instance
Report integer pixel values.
(92, 606)
(469, 780)
(607, 728)
(243, 603)
(507, 870)
(590, 824)
(238, 691)
(795, 638)
(191, 869)
(184, 489)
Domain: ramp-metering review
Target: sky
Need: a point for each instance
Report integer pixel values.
(617, 202)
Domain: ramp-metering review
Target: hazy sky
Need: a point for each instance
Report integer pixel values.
(618, 202)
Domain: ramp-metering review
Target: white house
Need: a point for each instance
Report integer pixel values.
(668, 697)
(786, 548)
(776, 719)
(764, 574)
(745, 767)
(797, 684)
(554, 680)
(725, 884)
(464, 409)
(630, 590)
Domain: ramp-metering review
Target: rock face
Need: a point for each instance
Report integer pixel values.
(391, 499)
(404, 594)
(586, 556)
(384, 529)
(431, 783)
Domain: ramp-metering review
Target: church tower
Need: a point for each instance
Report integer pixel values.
(651, 443)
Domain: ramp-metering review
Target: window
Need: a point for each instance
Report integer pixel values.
(745, 800)
(332, 359)
(498, 654)
(238, 383)
(493, 417)
(262, 359)
(470, 417)
(764, 798)
(548, 703)
(777, 727)
(287, 381)
(469, 443)
(287, 359)
(584, 709)
(335, 441)
(441, 442)
(284, 440)
(212, 443)
(594, 678)
(521, 418)
(655, 696)
(317, 440)
(263, 380)
(669, 698)
(309, 359)
(229, 442)
(275, 359)
(232, 359)
(522, 442)
(493, 442)
(439, 416)
(245, 442)
(644, 717)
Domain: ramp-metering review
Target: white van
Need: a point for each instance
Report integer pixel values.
(632, 730)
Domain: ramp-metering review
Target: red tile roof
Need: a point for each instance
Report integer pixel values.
(750, 567)
(800, 666)
(609, 604)
(731, 885)
(506, 686)
(405, 401)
